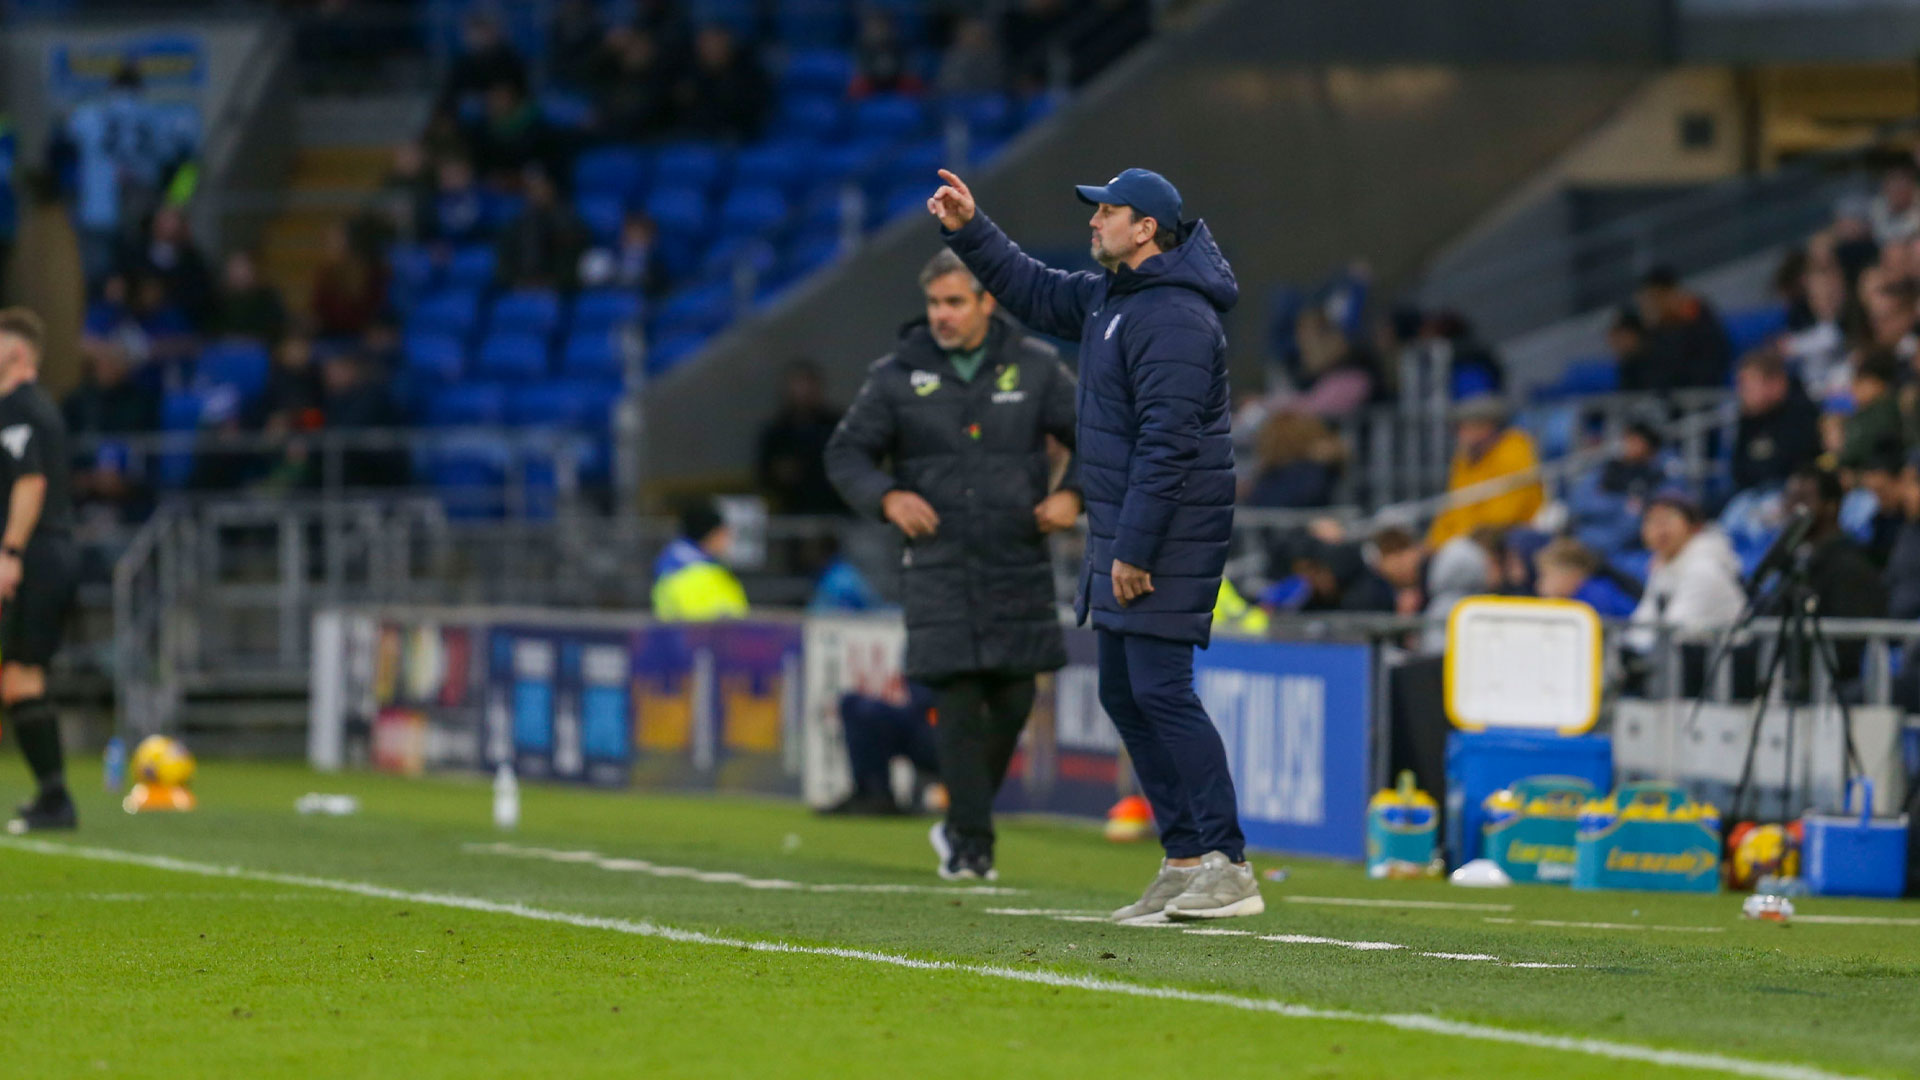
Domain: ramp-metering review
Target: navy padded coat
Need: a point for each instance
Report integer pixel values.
(1154, 453)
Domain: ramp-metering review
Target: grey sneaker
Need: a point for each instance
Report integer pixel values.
(1220, 890)
(1170, 882)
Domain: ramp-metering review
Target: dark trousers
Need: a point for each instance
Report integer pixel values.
(879, 731)
(978, 720)
(1146, 686)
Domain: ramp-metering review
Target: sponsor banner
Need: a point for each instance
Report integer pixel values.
(415, 685)
(592, 710)
(522, 684)
(1295, 718)
(842, 655)
(171, 65)
(672, 726)
(756, 699)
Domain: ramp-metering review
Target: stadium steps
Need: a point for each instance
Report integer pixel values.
(325, 185)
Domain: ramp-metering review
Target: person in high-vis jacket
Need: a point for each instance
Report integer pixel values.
(690, 583)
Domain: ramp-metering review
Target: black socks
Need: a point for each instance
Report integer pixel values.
(38, 730)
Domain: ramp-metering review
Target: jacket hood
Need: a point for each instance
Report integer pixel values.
(1196, 264)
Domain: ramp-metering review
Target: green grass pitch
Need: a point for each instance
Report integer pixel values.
(688, 936)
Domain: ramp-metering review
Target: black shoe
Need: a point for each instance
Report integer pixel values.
(981, 866)
(50, 810)
(954, 866)
(865, 804)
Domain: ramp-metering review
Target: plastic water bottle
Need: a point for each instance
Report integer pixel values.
(113, 764)
(506, 797)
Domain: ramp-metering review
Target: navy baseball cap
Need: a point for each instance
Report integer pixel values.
(1143, 189)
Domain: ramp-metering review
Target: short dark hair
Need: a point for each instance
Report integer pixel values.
(945, 262)
(1662, 276)
(1765, 361)
(1165, 237)
(698, 520)
(1645, 430)
(1878, 363)
(1826, 483)
(1393, 540)
(24, 324)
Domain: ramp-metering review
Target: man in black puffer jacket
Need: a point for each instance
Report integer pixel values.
(960, 411)
(1156, 460)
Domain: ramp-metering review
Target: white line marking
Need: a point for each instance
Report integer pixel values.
(1857, 920)
(1218, 931)
(721, 877)
(1461, 956)
(1432, 1025)
(1431, 905)
(153, 897)
(1037, 911)
(1309, 939)
(1563, 924)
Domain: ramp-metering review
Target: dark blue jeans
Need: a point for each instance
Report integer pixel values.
(1146, 686)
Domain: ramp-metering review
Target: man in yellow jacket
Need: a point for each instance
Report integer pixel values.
(1485, 448)
(690, 583)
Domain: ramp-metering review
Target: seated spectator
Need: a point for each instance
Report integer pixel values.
(631, 84)
(219, 463)
(1030, 29)
(1872, 512)
(169, 255)
(1338, 578)
(408, 191)
(1487, 450)
(1566, 569)
(878, 731)
(109, 402)
(459, 208)
(1837, 570)
(1894, 213)
(291, 401)
(246, 306)
(573, 38)
(353, 397)
(511, 137)
(1516, 570)
(1474, 369)
(1686, 345)
(1817, 352)
(1400, 558)
(1604, 504)
(972, 64)
(1299, 464)
(541, 248)
(881, 65)
(1339, 377)
(1693, 582)
(349, 288)
(726, 93)
(1461, 567)
(1888, 302)
(1779, 429)
(1903, 562)
(633, 263)
(486, 59)
(164, 324)
(1874, 431)
(791, 467)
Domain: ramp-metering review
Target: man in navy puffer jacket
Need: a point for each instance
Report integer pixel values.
(1156, 468)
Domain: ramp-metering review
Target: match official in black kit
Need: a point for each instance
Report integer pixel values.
(39, 569)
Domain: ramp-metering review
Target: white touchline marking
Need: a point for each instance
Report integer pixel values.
(721, 877)
(1433, 905)
(1857, 920)
(1037, 911)
(1432, 1025)
(1460, 956)
(1218, 931)
(153, 897)
(1309, 939)
(1563, 924)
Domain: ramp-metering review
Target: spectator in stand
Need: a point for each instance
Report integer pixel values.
(247, 307)
(1779, 429)
(291, 401)
(1694, 579)
(169, 255)
(973, 64)
(163, 323)
(1474, 369)
(1299, 463)
(459, 209)
(1818, 350)
(791, 467)
(1464, 566)
(1888, 301)
(881, 64)
(1842, 578)
(349, 288)
(1486, 449)
(1686, 345)
(1894, 213)
(108, 402)
(353, 397)
(1341, 378)
(1874, 431)
(1881, 515)
(1627, 341)
(1030, 29)
(726, 93)
(486, 59)
(408, 191)
(1517, 550)
(632, 87)
(1339, 579)
(1604, 505)
(573, 40)
(511, 137)
(632, 264)
(541, 248)
(1401, 561)
(1566, 569)
(123, 149)
(1903, 563)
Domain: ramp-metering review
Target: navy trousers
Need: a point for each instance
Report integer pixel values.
(1146, 686)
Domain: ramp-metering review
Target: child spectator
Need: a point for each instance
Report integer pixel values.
(1569, 570)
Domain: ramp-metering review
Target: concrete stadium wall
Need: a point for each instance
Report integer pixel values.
(1304, 138)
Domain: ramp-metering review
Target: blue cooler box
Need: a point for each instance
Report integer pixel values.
(1855, 855)
(1480, 763)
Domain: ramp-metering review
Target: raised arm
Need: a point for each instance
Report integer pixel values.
(1048, 300)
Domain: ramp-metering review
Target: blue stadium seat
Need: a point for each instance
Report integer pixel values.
(239, 364)
(1752, 327)
(472, 267)
(1039, 107)
(450, 311)
(690, 165)
(751, 211)
(701, 309)
(856, 159)
(816, 116)
(1634, 564)
(1594, 375)
(817, 72)
(725, 257)
(808, 252)
(824, 207)
(984, 114)
(500, 209)
(784, 163)
(467, 404)
(469, 474)
(619, 171)
(593, 352)
(900, 201)
(525, 311)
(917, 162)
(565, 110)
(984, 148)
(602, 214)
(605, 309)
(433, 356)
(891, 116)
(413, 268)
(740, 16)
(672, 350)
(572, 403)
(679, 211)
(179, 411)
(810, 24)
(512, 356)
